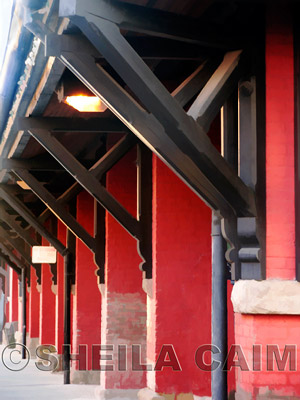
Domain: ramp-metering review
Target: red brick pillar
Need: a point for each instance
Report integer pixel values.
(33, 312)
(59, 298)
(263, 377)
(179, 314)
(124, 301)
(47, 305)
(87, 298)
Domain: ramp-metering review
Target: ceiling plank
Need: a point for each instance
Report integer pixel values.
(151, 22)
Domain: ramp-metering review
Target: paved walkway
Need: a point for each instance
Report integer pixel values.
(31, 383)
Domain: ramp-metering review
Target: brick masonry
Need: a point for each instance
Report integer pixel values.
(280, 162)
(87, 298)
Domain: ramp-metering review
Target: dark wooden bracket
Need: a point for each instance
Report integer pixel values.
(15, 226)
(17, 243)
(38, 267)
(28, 275)
(12, 257)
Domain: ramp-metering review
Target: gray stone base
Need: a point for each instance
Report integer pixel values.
(148, 394)
(116, 394)
(59, 367)
(32, 344)
(264, 394)
(9, 333)
(85, 377)
(266, 297)
(142, 394)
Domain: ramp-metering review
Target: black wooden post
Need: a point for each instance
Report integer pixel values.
(67, 314)
(69, 268)
(23, 313)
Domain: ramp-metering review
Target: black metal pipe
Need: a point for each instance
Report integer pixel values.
(23, 313)
(219, 309)
(67, 315)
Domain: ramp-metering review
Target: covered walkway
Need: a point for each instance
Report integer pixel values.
(31, 383)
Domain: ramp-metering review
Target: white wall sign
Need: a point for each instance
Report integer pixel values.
(43, 254)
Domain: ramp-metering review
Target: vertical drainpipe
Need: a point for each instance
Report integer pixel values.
(219, 309)
(23, 313)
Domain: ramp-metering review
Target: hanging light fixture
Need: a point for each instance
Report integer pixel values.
(84, 103)
(73, 93)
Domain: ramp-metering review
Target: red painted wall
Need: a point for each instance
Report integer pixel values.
(280, 163)
(87, 299)
(180, 310)
(34, 306)
(124, 307)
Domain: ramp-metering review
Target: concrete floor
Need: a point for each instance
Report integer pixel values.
(31, 383)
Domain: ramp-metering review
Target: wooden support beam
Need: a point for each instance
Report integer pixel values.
(23, 233)
(183, 94)
(20, 208)
(196, 81)
(150, 21)
(86, 180)
(102, 166)
(62, 124)
(11, 163)
(177, 125)
(61, 213)
(149, 48)
(218, 89)
(229, 130)
(182, 145)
